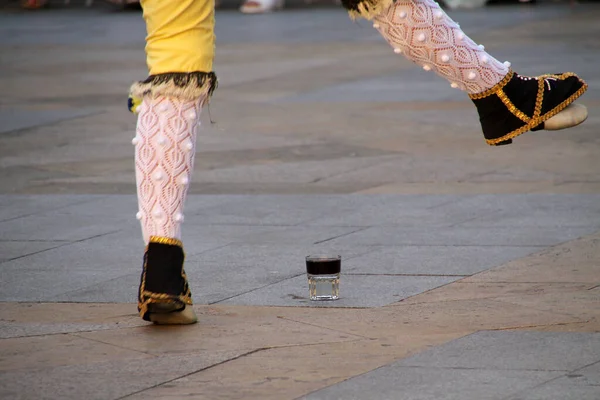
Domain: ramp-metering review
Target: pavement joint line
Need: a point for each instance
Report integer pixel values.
(320, 179)
(77, 203)
(446, 203)
(542, 246)
(325, 327)
(516, 395)
(518, 282)
(33, 241)
(34, 253)
(587, 366)
(77, 334)
(191, 373)
(487, 215)
(504, 300)
(96, 329)
(249, 353)
(484, 369)
(27, 130)
(408, 275)
(254, 289)
(84, 288)
(339, 236)
(526, 327)
(66, 243)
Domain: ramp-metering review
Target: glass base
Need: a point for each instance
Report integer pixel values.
(324, 287)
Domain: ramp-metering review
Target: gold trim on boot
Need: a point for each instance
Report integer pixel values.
(165, 308)
(572, 117)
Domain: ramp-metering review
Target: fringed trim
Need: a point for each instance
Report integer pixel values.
(538, 119)
(367, 9)
(182, 85)
(493, 90)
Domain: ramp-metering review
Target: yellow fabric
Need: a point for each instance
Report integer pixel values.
(180, 35)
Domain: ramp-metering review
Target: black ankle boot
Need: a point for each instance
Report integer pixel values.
(518, 104)
(164, 294)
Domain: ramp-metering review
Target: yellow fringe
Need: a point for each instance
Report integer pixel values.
(369, 9)
(190, 92)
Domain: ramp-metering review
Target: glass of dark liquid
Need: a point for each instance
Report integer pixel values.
(323, 277)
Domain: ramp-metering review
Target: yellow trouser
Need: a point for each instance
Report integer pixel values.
(180, 35)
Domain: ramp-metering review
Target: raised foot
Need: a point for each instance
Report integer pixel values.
(571, 116)
(168, 314)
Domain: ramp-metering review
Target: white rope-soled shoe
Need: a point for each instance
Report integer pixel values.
(573, 115)
(519, 104)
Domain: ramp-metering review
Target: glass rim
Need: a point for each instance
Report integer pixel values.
(323, 257)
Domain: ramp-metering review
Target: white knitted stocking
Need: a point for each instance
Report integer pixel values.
(165, 144)
(423, 32)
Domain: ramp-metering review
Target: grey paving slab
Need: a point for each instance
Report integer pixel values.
(539, 210)
(43, 285)
(14, 249)
(431, 168)
(401, 212)
(216, 273)
(355, 291)
(435, 260)
(117, 289)
(210, 283)
(589, 375)
(406, 383)
(513, 350)
(462, 236)
(14, 206)
(414, 84)
(287, 258)
(61, 227)
(251, 248)
(11, 329)
(559, 389)
(15, 118)
(494, 365)
(260, 234)
(278, 211)
(500, 210)
(119, 377)
(70, 267)
(290, 172)
(346, 203)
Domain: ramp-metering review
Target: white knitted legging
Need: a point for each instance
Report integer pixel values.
(165, 144)
(423, 32)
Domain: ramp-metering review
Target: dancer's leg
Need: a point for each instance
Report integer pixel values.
(508, 104)
(179, 49)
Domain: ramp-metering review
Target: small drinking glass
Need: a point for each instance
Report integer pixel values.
(323, 277)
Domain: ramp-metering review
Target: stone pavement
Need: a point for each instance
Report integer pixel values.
(469, 272)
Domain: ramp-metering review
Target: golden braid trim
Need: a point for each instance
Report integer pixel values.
(166, 240)
(539, 119)
(146, 297)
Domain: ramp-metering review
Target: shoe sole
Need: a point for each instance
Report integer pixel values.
(571, 116)
(162, 316)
